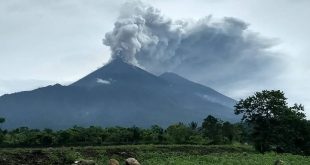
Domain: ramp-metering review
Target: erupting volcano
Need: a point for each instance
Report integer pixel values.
(118, 94)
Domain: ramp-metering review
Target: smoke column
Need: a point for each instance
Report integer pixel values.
(142, 28)
(204, 50)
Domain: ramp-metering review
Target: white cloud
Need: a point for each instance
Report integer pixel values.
(102, 81)
(17, 85)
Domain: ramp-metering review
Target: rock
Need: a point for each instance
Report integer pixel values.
(84, 162)
(125, 154)
(113, 162)
(278, 162)
(131, 161)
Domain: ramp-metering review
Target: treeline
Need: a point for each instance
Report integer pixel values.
(212, 131)
(267, 123)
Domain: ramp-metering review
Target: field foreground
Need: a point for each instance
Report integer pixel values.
(148, 155)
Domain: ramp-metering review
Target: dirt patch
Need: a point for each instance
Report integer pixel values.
(34, 157)
(89, 152)
(123, 153)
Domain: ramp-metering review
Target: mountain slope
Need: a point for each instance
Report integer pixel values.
(207, 93)
(116, 94)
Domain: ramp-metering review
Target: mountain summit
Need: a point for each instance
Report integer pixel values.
(118, 94)
(119, 72)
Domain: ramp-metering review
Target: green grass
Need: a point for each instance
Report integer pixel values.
(225, 159)
(149, 155)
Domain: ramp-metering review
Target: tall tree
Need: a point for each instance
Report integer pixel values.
(228, 131)
(2, 120)
(179, 133)
(212, 129)
(274, 123)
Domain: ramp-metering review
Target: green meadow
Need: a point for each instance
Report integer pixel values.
(149, 155)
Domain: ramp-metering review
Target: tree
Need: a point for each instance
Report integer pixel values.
(136, 134)
(212, 129)
(193, 125)
(179, 133)
(157, 133)
(228, 131)
(2, 120)
(273, 122)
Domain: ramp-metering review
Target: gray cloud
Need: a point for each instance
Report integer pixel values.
(210, 51)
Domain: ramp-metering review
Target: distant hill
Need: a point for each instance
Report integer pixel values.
(118, 94)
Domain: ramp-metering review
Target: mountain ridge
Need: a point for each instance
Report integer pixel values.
(118, 94)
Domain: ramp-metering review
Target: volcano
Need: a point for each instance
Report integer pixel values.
(118, 94)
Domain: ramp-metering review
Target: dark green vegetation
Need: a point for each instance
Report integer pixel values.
(212, 131)
(268, 124)
(274, 124)
(149, 155)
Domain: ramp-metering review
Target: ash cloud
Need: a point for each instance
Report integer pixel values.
(210, 51)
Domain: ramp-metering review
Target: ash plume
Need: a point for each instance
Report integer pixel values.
(204, 50)
(142, 35)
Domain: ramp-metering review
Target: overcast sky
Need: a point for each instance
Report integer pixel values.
(45, 42)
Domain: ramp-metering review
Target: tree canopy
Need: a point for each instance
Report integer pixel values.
(274, 124)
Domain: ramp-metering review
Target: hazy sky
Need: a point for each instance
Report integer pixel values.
(44, 42)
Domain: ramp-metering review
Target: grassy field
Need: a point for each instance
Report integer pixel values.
(149, 155)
